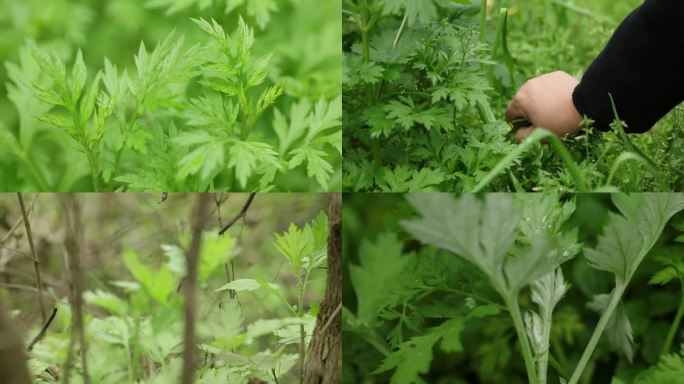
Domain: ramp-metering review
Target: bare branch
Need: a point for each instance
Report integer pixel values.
(36, 261)
(43, 330)
(239, 215)
(20, 220)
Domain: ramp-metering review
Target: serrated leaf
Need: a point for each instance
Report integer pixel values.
(79, 74)
(664, 276)
(627, 237)
(316, 166)
(483, 232)
(377, 277)
(158, 284)
(246, 156)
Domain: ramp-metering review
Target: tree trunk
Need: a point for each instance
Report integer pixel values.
(324, 360)
(13, 368)
(190, 288)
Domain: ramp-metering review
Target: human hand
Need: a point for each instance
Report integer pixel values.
(546, 101)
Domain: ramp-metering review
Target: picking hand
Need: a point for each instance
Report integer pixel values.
(546, 101)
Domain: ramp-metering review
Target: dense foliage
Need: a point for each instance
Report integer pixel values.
(513, 288)
(170, 96)
(260, 286)
(426, 84)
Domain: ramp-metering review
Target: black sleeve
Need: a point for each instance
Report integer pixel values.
(642, 67)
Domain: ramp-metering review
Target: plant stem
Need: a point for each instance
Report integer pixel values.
(483, 22)
(34, 254)
(119, 152)
(519, 324)
(543, 359)
(675, 324)
(598, 331)
(558, 366)
(538, 134)
(94, 169)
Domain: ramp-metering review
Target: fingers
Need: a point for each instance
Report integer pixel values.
(517, 108)
(522, 133)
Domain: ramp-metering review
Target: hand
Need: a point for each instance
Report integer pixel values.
(546, 101)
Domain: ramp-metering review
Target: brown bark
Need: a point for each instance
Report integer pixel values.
(13, 368)
(324, 360)
(190, 287)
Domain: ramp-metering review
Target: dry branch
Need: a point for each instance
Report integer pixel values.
(36, 260)
(43, 330)
(324, 359)
(190, 287)
(239, 215)
(17, 223)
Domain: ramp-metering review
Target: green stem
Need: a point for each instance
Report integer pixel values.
(598, 331)
(519, 324)
(675, 325)
(537, 135)
(302, 332)
(376, 342)
(365, 25)
(558, 366)
(94, 169)
(543, 359)
(483, 22)
(119, 152)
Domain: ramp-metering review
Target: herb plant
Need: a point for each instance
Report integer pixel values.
(258, 292)
(426, 84)
(232, 109)
(506, 272)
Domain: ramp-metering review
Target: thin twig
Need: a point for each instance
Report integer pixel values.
(239, 215)
(18, 222)
(43, 330)
(36, 261)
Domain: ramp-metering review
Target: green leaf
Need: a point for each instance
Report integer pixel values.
(628, 236)
(670, 369)
(247, 156)
(79, 74)
(664, 276)
(267, 326)
(106, 300)
(205, 160)
(176, 260)
(316, 166)
(217, 250)
(377, 277)
(483, 232)
(417, 11)
(415, 355)
(405, 179)
(158, 284)
(619, 329)
(295, 244)
(240, 285)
